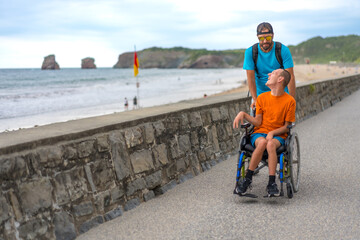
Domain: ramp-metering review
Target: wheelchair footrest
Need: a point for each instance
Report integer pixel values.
(249, 195)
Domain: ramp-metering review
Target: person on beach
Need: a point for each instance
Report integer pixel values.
(266, 54)
(135, 103)
(126, 104)
(275, 110)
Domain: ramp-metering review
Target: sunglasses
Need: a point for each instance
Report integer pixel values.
(268, 38)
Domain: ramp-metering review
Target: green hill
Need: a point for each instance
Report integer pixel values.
(342, 49)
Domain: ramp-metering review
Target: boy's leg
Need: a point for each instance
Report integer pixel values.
(260, 146)
(256, 157)
(271, 147)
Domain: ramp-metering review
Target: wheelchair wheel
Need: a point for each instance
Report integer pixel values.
(294, 161)
(289, 190)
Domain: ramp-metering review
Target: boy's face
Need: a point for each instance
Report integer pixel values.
(273, 78)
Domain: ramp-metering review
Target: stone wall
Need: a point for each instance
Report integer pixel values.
(60, 187)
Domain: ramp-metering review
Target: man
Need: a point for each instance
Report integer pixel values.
(275, 110)
(266, 62)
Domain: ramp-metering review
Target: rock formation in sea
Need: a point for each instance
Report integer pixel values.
(49, 63)
(88, 63)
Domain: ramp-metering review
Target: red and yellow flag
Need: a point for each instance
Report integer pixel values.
(136, 64)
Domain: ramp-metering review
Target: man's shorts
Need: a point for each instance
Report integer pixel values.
(255, 136)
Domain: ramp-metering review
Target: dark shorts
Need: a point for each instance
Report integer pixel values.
(255, 136)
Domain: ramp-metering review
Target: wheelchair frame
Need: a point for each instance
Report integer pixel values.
(288, 159)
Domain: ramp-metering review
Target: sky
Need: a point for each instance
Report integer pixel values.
(103, 29)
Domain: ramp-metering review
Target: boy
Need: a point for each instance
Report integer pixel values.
(275, 110)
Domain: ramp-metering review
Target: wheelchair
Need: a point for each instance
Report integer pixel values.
(288, 155)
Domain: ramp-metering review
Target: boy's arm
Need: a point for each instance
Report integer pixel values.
(278, 131)
(256, 121)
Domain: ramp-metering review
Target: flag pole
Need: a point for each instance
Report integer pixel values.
(137, 87)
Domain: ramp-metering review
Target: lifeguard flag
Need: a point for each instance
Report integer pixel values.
(136, 64)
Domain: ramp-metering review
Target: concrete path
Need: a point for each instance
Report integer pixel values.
(327, 205)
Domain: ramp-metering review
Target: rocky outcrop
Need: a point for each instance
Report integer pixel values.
(49, 63)
(181, 58)
(88, 63)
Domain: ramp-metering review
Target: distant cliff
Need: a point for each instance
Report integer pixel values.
(342, 49)
(179, 57)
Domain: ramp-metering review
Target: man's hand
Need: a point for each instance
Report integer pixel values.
(253, 104)
(240, 117)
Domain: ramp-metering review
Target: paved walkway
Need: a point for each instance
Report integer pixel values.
(327, 205)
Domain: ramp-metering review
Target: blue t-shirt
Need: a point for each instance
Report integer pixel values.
(266, 63)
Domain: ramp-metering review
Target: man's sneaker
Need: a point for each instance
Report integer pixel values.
(243, 185)
(272, 189)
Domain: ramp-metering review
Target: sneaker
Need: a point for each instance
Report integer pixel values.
(243, 185)
(272, 189)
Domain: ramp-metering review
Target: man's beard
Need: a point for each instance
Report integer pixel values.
(266, 46)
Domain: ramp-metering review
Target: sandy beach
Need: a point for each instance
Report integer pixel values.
(309, 72)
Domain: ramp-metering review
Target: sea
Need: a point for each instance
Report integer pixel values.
(34, 97)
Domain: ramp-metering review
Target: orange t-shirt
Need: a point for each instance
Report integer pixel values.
(275, 110)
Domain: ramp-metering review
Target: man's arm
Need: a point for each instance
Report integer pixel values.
(292, 85)
(256, 121)
(252, 85)
(278, 131)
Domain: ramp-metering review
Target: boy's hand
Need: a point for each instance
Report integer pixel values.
(240, 117)
(270, 136)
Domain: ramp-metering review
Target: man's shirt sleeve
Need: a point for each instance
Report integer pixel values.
(248, 60)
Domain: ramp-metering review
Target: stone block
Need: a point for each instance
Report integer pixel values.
(215, 114)
(149, 133)
(117, 193)
(102, 143)
(149, 195)
(33, 229)
(85, 149)
(186, 177)
(206, 117)
(134, 186)
(86, 226)
(119, 155)
(133, 137)
(153, 180)
(12, 168)
(214, 137)
(83, 209)
(165, 188)
(159, 128)
(102, 200)
(70, 153)
(180, 165)
(160, 154)
(174, 148)
(15, 206)
(131, 204)
(195, 119)
(64, 226)
(202, 156)
(4, 210)
(142, 161)
(184, 121)
(50, 156)
(224, 112)
(184, 144)
(194, 139)
(117, 212)
(70, 186)
(35, 195)
(102, 174)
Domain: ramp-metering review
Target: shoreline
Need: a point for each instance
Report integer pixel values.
(303, 73)
(306, 73)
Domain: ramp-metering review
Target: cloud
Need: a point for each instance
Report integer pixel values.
(74, 29)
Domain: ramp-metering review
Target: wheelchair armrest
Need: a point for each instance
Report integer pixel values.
(290, 126)
(246, 125)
